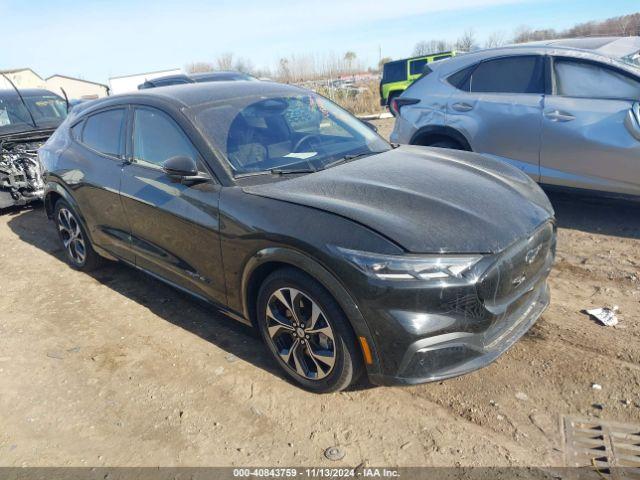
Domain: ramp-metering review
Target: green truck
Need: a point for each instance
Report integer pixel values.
(399, 74)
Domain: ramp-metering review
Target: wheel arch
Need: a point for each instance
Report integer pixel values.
(433, 133)
(394, 93)
(265, 261)
(55, 192)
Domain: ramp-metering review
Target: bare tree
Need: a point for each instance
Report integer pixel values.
(243, 65)
(284, 74)
(225, 61)
(421, 48)
(496, 39)
(349, 57)
(522, 34)
(623, 24)
(200, 67)
(467, 42)
(426, 47)
(382, 61)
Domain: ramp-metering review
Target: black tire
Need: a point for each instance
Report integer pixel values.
(348, 364)
(85, 260)
(451, 144)
(391, 96)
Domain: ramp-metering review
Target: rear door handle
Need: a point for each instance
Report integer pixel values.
(462, 107)
(558, 116)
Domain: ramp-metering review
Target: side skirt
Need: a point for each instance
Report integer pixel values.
(222, 309)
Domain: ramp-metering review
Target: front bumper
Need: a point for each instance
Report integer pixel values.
(429, 333)
(451, 355)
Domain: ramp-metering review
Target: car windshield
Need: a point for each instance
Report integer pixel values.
(47, 111)
(304, 132)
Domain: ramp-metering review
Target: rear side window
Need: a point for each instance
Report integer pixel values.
(156, 138)
(522, 74)
(394, 72)
(462, 79)
(585, 79)
(103, 132)
(416, 67)
(174, 81)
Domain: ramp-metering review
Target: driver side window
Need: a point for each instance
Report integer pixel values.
(156, 138)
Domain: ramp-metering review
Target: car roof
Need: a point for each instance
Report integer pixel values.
(195, 94)
(217, 75)
(534, 48)
(616, 47)
(27, 92)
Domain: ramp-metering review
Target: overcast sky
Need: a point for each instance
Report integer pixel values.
(99, 39)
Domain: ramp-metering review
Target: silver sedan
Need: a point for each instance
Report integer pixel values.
(567, 116)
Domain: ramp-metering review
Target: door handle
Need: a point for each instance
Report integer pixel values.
(632, 121)
(462, 107)
(558, 116)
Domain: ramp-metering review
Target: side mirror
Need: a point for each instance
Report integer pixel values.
(180, 167)
(370, 125)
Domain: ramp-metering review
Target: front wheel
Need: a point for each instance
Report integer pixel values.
(446, 144)
(307, 333)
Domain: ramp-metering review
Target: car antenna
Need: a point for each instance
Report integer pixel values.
(66, 99)
(22, 99)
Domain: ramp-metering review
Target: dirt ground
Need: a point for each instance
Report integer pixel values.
(116, 369)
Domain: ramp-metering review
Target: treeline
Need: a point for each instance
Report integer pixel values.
(299, 68)
(624, 26)
(294, 68)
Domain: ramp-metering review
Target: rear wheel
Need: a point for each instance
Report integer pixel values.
(77, 247)
(307, 333)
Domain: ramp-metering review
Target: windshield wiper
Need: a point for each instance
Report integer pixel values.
(22, 100)
(348, 158)
(288, 171)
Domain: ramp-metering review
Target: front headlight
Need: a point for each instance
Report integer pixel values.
(410, 267)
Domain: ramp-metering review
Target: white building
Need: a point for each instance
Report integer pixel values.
(76, 88)
(22, 78)
(129, 83)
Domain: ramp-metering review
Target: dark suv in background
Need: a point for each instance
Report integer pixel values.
(222, 76)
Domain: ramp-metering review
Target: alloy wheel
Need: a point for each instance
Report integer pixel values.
(72, 237)
(301, 334)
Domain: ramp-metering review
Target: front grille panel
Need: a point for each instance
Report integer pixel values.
(517, 269)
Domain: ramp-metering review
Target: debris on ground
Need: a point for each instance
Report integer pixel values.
(606, 316)
(334, 453)
(596, 386)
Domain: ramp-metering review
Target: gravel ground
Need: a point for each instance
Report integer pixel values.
(116, 369)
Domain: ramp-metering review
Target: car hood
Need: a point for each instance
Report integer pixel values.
(427, 200)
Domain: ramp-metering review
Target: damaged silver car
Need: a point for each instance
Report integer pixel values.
(566, 113)
(27, 119)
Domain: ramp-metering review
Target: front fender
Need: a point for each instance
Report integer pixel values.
(329, 281)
